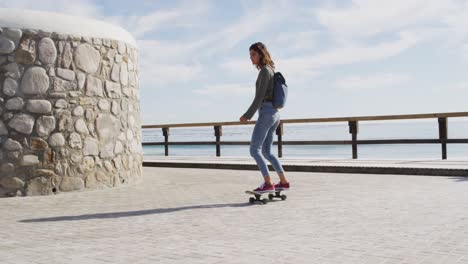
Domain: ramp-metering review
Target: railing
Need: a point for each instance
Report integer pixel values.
(353, 123)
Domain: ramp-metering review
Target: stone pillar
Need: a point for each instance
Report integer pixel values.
(69, 113)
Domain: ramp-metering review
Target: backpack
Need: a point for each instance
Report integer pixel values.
(280, 91)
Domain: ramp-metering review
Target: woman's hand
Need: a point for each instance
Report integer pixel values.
(243, 119)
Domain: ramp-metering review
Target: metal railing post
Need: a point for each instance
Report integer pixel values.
(218, 133)
(166, 140)
(279, 133)
(353, 130)
(443, 135)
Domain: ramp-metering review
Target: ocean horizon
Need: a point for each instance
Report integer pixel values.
(424, 129)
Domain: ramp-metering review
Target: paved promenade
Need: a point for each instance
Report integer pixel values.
(202, 216)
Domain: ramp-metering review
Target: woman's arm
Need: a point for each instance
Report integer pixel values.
(260, 91)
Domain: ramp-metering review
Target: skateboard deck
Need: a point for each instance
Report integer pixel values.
(271, 195)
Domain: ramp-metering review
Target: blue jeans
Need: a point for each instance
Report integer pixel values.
(262, 138)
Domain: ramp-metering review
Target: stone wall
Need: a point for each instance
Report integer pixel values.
(69, 113)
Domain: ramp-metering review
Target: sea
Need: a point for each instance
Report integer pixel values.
(407, 129)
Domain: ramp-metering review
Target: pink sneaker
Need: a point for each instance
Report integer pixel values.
(265, 188)
(282, 187)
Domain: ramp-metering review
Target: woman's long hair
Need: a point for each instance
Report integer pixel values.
(265, 58)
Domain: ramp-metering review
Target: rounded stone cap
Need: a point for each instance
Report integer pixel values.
(62, 24)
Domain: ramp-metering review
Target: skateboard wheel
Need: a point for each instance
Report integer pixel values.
(251, 200)
(270, 196)
(265, 200)
(284, 197)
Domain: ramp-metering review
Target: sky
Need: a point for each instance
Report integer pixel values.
(339, 58)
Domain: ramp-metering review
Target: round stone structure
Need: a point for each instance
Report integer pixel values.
(69, 104)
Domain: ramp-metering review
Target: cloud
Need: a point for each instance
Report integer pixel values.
(242, 67)
(251, 22)
(298, 41)
(377, 81)
(364, 19)
(368, 17)
(168, 51)
(226, 90)
(83, 8)
(257, 19)
(353, 53)
(156, 74)
(299, 73)
(465, 51)
(185, 14)
(461, 86)
(457, 21)
(306, 66)
(170, 54)
(164, 62)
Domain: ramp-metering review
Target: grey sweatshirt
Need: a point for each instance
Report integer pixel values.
(264, 90)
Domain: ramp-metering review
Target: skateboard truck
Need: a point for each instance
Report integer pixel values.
(277, 195)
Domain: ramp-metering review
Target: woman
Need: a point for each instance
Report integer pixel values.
(267, 122)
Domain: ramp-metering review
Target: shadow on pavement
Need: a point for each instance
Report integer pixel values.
(459, 179)
(130, 213)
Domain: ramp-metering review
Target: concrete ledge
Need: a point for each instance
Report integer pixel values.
(462, 172)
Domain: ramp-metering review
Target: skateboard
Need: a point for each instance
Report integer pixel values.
(271, 196)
